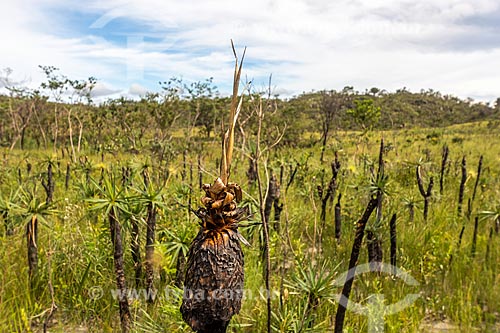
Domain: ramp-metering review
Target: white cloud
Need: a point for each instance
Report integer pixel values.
(137, 90)
(103, 90)
(305, 44)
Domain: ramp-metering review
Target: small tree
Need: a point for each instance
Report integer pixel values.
(330, 105)
(365, 114)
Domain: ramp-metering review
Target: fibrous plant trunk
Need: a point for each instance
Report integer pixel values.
(272, 197)
(444, 162)
(329, 195)
(488, 246)
(338, 219)
(150, 240)
(252, 169)
(474, 238)
(356, 248)
(68, 176)
(277, 211)
(180, 268)
(425, 193)
(393, 233)
(136, 250)
(49, 185)
(375, 254)
(32, 241)
(479, 169)
(462, 186)
(293, 172)
(374, 242)
(213, 285)
(121, 284)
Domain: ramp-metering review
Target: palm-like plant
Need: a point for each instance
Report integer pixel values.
(410, 203)
(178, 247)
(7, 208)
(152, 197)
(32, 210)
(316, 281)
(112, 202)
(493, 215)
(291, 319)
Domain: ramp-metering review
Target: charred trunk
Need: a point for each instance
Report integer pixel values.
(393, 233)
(121, 285)
(252, 169)
(32, 241)
(462, 186)
(49, 185)
(180, 270)
(136, 251)
(150, 240)
(213, 284)
(338, 219)
(68, 176)
(444, 162)
(375, 254)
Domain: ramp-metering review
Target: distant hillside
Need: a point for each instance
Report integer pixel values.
(33, 121)
(404, 108)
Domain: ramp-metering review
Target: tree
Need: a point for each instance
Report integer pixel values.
(203, 96)
(330, 106)
(364, 113)
(22, 105)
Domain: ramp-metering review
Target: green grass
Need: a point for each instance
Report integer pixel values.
(76, 255)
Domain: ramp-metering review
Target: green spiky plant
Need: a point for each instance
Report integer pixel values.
(112, 202)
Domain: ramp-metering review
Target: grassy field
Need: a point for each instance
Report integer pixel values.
(458, 282)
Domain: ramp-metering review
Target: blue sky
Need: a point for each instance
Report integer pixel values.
(449, 45)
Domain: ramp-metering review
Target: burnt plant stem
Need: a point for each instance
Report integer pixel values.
(459, 243)
(265, 223)
(121, 284)
(330, 193)
(200, 173)
(356, 247)
(150, 240)
(444, 162)
(474, 237)
(49, 185)
(374, 243)
(136, 250)
(32, 243)
(292, 175)
(462, 186)
(425, 193)
(271, 195)
(479, 169)
(393, 232)
(68, 176)
(488, 246)
(338, 219)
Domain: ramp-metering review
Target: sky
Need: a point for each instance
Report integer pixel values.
(452, 46)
